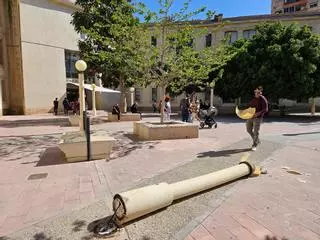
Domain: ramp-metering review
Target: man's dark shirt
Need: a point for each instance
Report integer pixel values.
(260, 104)
(55, 103)
(115, 110)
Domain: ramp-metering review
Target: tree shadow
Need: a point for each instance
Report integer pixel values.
(297, 134)
(77, 225)
(275, 238)
(42, 236)
(19, 148)
(127, 143)
(4, 238)
(222, 153)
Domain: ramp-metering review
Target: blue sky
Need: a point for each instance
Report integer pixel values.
(229, 8)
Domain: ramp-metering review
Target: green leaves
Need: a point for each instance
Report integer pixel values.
(115, 43)
(282, 58)
(175, 63)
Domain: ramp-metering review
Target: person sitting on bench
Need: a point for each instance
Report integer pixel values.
(116, 110)
(134, 109)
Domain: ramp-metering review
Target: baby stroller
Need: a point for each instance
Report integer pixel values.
(208, 117)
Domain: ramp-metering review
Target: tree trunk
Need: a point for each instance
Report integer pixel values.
(162, 97)
(122, 95)
(313, 106)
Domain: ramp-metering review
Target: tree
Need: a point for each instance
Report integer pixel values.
(175, 63)
(282, 58)
(114, 41)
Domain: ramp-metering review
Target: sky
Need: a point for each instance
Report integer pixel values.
(229, 8)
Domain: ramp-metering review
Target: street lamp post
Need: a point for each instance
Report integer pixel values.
(81, 66)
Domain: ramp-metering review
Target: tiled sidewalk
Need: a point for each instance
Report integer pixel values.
(277, 204)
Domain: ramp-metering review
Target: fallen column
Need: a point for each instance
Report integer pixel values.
(139, 202)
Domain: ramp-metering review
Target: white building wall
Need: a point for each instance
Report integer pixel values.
(45, 34)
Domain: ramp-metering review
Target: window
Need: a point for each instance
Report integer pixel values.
(153, 41)
(313, 5)
(289, 10)
(209, 40)
(289, 1)
(248, 34)
(233, 35)
(137, 95)
(154, 95)
(70, 60)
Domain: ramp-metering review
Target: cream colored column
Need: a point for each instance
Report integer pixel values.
(1, 86)
(131, 95)
(82, 100)
(139, 202)
(313, 106)
(94, 109)
(81, 66)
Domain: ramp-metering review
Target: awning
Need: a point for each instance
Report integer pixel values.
(98, 89)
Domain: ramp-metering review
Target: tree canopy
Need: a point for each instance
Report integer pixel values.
(114, 42)
(175, 60)
(284, 59)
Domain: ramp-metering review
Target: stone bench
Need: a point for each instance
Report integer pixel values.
(74, 146)
(124, 117)
(169, 130)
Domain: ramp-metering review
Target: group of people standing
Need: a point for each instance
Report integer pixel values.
(73, 106)
(190, 108)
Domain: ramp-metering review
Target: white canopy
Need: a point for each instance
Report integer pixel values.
(98, 89)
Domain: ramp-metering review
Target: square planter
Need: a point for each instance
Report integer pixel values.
(74, 146)
(168, 130)
(74, 120)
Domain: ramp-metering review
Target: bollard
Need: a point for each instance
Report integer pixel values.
(84, 114)
(87, 131)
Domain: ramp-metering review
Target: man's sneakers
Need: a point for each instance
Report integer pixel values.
(254, 146)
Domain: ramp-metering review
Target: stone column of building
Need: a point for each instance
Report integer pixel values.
(15, 75)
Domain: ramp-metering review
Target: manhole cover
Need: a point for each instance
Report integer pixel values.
(37, 176)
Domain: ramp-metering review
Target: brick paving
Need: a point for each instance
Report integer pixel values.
(279, 203)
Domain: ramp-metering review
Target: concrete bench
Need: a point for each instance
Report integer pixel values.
(124, 117)
(74, 146)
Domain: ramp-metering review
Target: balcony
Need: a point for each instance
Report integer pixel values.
(294, 3)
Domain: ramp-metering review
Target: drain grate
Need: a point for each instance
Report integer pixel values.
(37, 176)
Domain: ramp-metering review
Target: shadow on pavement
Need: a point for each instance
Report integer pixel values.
(300, 119)
(275, 238)
(77, 225)
(20, 148)
(4, 238)
(41, 236)
(51, 156)
(223, 153)
(297, 134)
(126, 143)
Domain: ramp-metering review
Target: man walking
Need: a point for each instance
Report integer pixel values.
(55, 106)
(260, 103)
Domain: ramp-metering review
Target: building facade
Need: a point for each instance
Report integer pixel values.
(291, 6)
(37, 44)
(236, 28)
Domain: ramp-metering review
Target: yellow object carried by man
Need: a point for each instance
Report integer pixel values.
(246, 113)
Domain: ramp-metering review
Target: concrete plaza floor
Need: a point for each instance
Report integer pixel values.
(63, 200)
